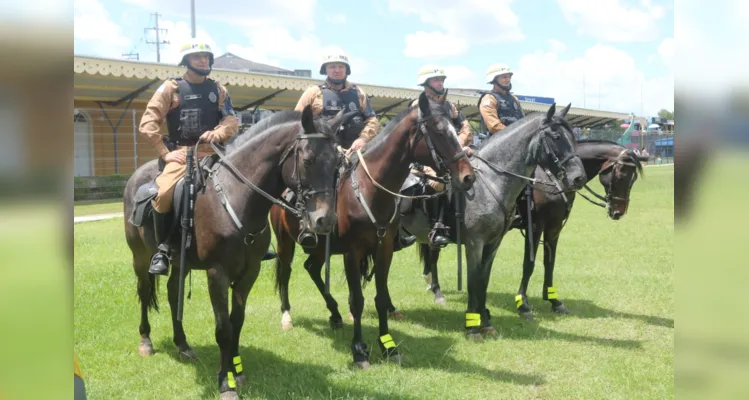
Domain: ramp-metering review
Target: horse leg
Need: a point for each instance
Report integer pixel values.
(285, 248)
(314, 265)
(439, 298)
(382, 300)
(147, 296)
(473, 312)
(240, 291)
(186, 353)
(489, 252)
(521, 298)
(352, 262)
(427, 272)
(550, 253)
(218, 289)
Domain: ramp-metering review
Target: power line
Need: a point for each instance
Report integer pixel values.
(158, 42)
(131, 56)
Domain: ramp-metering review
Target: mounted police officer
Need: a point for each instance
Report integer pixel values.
(432, 78)
(194, 107)
(337, 94)
(499, 108)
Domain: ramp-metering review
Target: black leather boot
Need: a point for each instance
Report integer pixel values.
(160, 260)
(436, 209)
(269, 255)
(401, 241)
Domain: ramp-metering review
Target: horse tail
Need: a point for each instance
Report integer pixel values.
(364, 268)
(151, 296)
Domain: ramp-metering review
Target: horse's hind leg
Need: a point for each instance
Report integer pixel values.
(550, 253)
(147, 290)
(521, 298)
(179, 339)
(439, 298)
(313, 265)
(285, 248)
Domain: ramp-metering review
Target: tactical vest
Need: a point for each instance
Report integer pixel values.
(508, 108)
(348, 101)
(197, 113)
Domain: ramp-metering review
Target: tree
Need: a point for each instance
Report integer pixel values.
(663, 113)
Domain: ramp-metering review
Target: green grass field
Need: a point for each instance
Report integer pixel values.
(616, 277)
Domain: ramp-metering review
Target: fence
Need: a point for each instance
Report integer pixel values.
(659, 146)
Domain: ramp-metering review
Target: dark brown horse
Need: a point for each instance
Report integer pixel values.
(617, 169)
(231, 235)
(367, 214)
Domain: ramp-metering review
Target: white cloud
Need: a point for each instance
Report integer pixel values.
(666, 51)
(336, 18)
(93, 26)
(612, 21)
(557, 46)
(459, 76)
(545, 74)
(468, 21)
(434, 45)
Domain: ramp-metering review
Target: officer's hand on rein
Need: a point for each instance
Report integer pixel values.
(208, 137)
(178, 156)
(358, 144)
(468, 150)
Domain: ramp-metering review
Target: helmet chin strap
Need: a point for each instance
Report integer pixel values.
(439, 92)
(201, 72)
(337, 81)
(503, 87)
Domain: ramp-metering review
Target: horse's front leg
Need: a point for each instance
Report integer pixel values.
(352, 261)
(474, 251)
(488, 254)
(382, 300)
(218, 289)
(240, 290)
(550, 253)
(439, 298)
(313, 265)
(521, 298)
(180, 340)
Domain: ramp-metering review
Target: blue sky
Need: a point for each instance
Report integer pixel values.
(624, 46)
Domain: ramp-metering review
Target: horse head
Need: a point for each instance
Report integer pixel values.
(440, 148)
(553, 149)
(617, 176)
(310, 171)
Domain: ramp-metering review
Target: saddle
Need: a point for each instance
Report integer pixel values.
(142, 210)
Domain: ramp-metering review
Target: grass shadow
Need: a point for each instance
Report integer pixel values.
(418, 352)
(508, 327)
(269, 376)
(578, 308)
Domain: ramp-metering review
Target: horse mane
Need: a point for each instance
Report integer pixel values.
(245, 136)
(380, 138)
(630, 153)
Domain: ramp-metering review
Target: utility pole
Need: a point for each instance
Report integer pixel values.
(192, 17)
(158, 42)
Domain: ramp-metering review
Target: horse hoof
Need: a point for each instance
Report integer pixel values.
(145, 348)
(528, 316)
(560, 309)
(362, 364)
(240, 380)
(335, 324)
(188, 355)
(396, 315)
(286, 321)
(489, 331)
(286, 326)
(440, 301)
(350, 317)
(476, 337)
(230, 395)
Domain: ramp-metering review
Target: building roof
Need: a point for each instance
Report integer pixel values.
(114, 82)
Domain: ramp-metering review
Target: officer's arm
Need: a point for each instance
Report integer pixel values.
(465, 135)
(372, 124)
(488, 110)
(156, 110)
(308, 98)
(229, 125)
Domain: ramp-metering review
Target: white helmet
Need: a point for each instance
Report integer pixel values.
(429, 71)
(335, 57)
(194, 46)
(495, 70)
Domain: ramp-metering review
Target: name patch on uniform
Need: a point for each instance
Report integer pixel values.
(193, 97)
(212, 97)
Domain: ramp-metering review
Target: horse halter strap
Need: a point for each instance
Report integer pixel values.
(302, 194)
(619, 160)
(421, 131)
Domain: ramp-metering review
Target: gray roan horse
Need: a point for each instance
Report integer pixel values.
(617, 169)
(367, 214)
(231, 235)
(504, 164)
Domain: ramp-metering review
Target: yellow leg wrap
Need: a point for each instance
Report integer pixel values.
(518, 300)
(238, 364)
(473, 320)
(551, 293)
(387, 341)
(230, 378)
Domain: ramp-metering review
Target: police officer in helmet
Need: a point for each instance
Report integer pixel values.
(194, 107)
(499, 108)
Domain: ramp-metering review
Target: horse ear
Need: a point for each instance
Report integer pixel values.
(308, 122)
(564, 111)
(551, 112)
(336, 121)
(424, 104)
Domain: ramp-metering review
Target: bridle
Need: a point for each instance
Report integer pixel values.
(615, 166)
